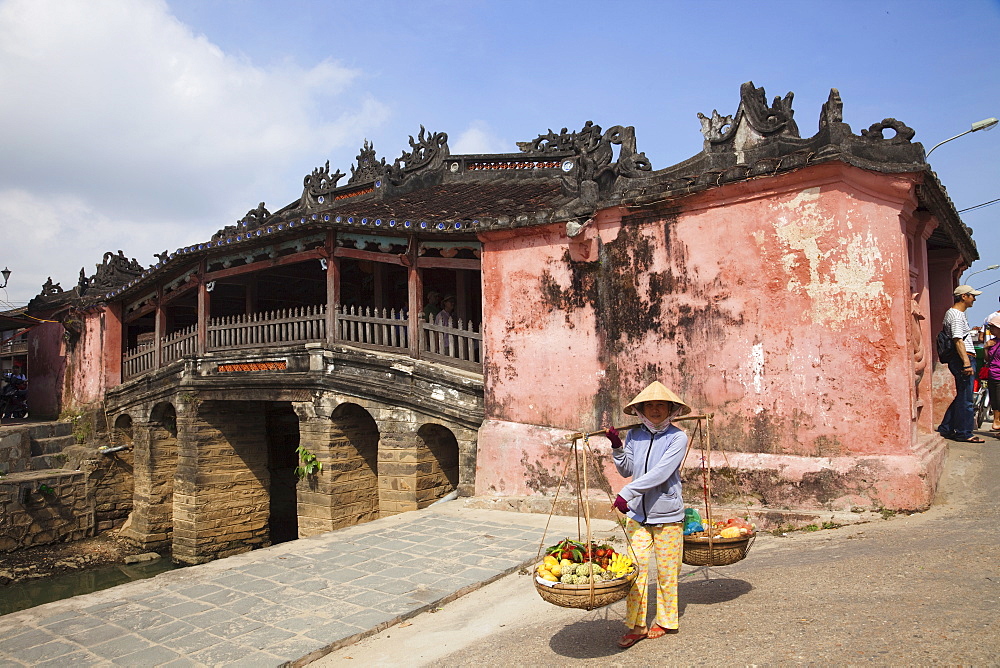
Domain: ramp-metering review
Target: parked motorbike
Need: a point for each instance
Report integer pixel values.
(14, 397)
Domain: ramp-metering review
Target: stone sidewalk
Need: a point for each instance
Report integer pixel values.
(288, 604)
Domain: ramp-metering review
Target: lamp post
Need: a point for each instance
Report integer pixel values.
(985, 124)
(6, 275)
(992, 266)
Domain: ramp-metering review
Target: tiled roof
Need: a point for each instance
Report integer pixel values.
(463, 201)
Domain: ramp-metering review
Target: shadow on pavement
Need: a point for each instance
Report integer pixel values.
(590, 638)
(708, 590)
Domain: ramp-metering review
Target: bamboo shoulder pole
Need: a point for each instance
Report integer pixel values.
(601, 432)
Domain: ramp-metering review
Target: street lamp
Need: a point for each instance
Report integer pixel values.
(985, 124)
(992, 266)
(6, 275)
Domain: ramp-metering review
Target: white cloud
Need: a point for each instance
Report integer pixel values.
(125, 129)
(55, 236)
(480, 138)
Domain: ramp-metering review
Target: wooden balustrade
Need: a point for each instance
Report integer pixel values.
(461, 344)
(271, 328)
(385, 329)
(177, 344)
(365, 327)
(138, 360)
(14, 348)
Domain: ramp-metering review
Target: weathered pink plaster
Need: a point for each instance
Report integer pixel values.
(46, 369)
(781, 305)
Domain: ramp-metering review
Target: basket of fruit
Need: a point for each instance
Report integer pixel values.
(726, 543)
(573, 576)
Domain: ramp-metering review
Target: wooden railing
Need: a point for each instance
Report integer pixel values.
(460, 344)
(138, 360)
(272, 328)
(14, 348)
(382, 329)
(177, 344)
(386, 329)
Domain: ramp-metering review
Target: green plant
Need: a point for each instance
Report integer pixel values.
(782, 529)
(810, 527)
(83, 425)
(309, 463)
(887, 513)
(831, 525)
(46, 490)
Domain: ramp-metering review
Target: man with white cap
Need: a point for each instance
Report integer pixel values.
(958, 421)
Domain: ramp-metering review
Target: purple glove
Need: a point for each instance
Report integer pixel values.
(621, 504)
(612, 434)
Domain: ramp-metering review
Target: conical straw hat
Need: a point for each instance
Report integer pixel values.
(656, 391)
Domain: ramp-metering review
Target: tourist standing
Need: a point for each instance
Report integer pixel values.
(992, 356)
(958, 421)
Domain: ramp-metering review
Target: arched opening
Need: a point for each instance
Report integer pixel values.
(121, 433)
(282, 428)
(437, 464)
(352, 467)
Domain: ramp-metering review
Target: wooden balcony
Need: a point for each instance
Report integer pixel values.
(14, 348)
(375, 329)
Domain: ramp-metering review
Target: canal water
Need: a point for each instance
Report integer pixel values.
(30, 593)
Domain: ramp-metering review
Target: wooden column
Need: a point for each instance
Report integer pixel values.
(158, 329)
(250, 294)
(461, 295)
(378, 280)
(332, 287)
(204, 312)
(415, 301)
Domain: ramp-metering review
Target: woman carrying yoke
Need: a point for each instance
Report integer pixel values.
(652, 455)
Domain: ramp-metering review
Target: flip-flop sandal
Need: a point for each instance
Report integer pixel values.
(972, 439)
(658, 631)
(630, 639)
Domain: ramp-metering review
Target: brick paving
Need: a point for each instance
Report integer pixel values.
(287, 604)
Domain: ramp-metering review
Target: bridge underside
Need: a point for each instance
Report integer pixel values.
(232, 453)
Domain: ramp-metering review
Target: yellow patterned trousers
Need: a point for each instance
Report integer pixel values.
(667, 544)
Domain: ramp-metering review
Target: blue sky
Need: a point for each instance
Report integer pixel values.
(146, 125)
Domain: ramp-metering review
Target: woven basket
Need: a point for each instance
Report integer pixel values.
(579, 596)
(721, 551)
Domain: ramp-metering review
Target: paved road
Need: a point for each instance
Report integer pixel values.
(917, 590)
(283, 604)
(911, 590)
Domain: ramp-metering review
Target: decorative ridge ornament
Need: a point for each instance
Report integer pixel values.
(429, 151)
(253, 219)
(904, 133)
(368, 168)
(764, 121)
(832, 111)
(114, 271)
(717, 127)
(256, 217)
(594, 149)
(321, 181)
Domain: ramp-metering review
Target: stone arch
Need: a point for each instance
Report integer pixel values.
(346, 491)
(437, 463)
(122, 431)
(155, 467)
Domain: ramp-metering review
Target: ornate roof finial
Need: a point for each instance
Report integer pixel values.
(368, 168)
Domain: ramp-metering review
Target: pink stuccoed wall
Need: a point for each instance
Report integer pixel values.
(88, 380)
(46, 370)
(68, 376)
(779, 305)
